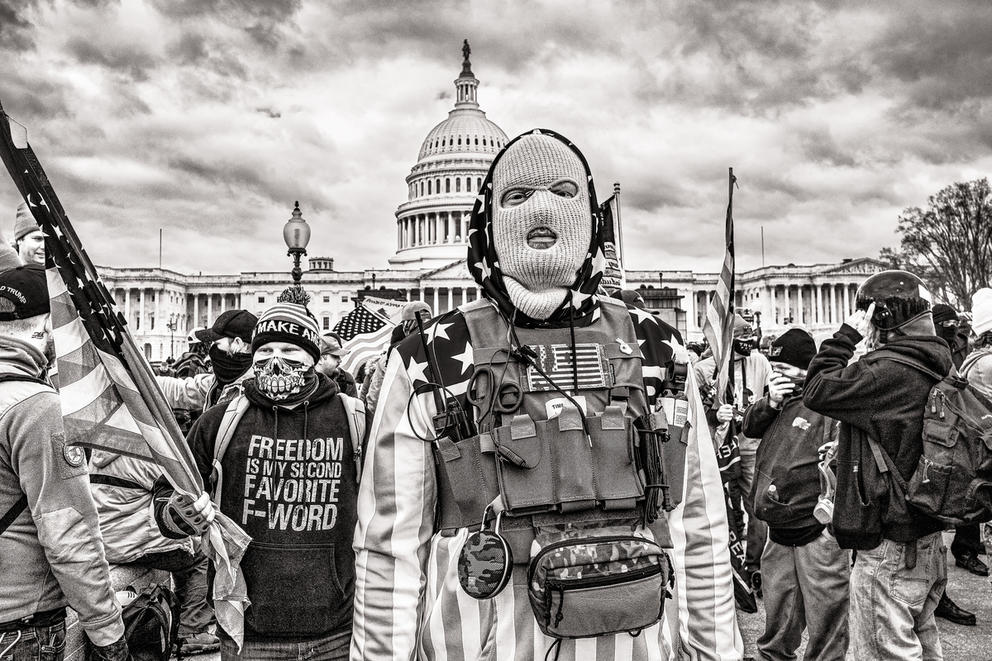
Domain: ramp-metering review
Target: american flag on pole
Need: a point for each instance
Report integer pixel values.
(719, 325)
(365, 335)
(110, 399)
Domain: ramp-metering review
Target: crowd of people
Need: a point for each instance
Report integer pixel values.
(534, 475)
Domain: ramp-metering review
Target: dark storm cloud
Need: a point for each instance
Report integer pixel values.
(835, 115)
(15, 28)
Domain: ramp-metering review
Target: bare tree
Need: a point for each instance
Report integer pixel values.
(949, 244)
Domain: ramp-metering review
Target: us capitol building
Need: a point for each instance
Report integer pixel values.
(163, 306)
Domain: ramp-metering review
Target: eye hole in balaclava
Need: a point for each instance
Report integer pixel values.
(542, 224)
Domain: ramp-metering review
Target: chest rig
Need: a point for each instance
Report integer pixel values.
(547, 463)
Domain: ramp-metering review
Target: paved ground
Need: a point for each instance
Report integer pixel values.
(970, 592)
(960, 643)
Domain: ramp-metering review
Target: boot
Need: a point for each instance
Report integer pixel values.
(950, 611)
(971, 562)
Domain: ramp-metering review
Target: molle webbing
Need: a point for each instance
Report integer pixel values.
(548, 466)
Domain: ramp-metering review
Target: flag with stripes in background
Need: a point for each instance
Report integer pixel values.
(365, 335)
(719, 325)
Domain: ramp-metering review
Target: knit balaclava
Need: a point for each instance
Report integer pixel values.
(542, 225)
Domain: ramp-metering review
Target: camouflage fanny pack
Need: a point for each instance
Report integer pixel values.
(583, 586)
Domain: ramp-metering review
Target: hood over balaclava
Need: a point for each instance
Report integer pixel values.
(535, 232)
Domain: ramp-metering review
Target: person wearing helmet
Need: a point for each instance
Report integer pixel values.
(896, 586)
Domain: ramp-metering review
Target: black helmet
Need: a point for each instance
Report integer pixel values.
(899, 297)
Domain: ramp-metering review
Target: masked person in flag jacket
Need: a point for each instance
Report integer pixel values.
(880, 401)
(515, 524)
(282, 461)
(51, 554)
(805, 573)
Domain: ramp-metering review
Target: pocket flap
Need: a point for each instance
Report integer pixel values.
(613, 418)
(569, 419)
(942, 432)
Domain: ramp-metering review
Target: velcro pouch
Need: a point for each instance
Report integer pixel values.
(583, 586)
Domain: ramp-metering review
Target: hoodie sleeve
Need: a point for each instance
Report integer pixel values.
(759, 417)
(188, 393)
(53, 477)
(836, 389)
(395, 521)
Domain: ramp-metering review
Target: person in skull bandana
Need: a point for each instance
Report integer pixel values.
(535, 250)
(289, 478)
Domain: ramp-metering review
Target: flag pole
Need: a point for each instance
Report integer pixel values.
(731, 300)
(620, 255)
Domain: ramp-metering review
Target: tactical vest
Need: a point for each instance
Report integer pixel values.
(545, 464)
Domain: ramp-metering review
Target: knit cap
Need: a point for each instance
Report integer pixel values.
(981, 308)
(25, 223)
(943, 312)
(794, 347)
(288, 322)
(533, 165)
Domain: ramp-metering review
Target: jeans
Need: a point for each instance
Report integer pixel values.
(805, 587)
(757, 530)
(34, 644)
(189, 574)
(335, 647)
(892, 605)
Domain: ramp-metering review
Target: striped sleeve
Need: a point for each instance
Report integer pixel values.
(395, 522)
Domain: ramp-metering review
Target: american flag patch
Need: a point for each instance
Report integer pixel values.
(585, 368)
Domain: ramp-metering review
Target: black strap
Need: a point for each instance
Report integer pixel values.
(13, 513)
(885, 464)
(112, 481)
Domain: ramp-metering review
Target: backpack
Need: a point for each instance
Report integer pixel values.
(953, 480)
(151, 623)
(354, 408)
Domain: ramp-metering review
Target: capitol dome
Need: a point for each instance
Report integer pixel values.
(441, 187)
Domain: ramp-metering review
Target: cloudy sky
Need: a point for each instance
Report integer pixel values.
(209, 119)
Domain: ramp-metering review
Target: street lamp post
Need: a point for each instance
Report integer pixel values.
(172, 325)
(296, 234)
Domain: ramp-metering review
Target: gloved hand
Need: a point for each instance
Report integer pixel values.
(198, 514)
(725, 413)
(860, 320)
(116, 651)
(779, 387)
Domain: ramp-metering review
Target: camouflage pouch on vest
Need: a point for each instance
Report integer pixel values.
(592, 582)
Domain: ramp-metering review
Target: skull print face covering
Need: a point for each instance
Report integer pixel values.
(542, 226)
(282, 380)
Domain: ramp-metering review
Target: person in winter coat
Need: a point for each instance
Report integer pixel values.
(977, 367)
(290, 480)
(329, 364)
(51, 553)
(123, 488)
(967, 543)
(896, 586)
(229, 342)
(751, 374)
(535, 250)
(804, 572)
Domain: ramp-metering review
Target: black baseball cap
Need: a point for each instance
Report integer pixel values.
(23, 293)
(232, 323)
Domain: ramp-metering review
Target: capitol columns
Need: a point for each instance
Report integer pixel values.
(847, 301)
(799, 305)
(819, 303)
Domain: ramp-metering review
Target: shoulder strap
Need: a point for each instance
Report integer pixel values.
(14, 512)
(909, 362)
(886, 465)
(355, 410)
(232, 416)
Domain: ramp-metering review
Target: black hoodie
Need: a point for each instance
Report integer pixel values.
(290, 481)
(883, 398)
